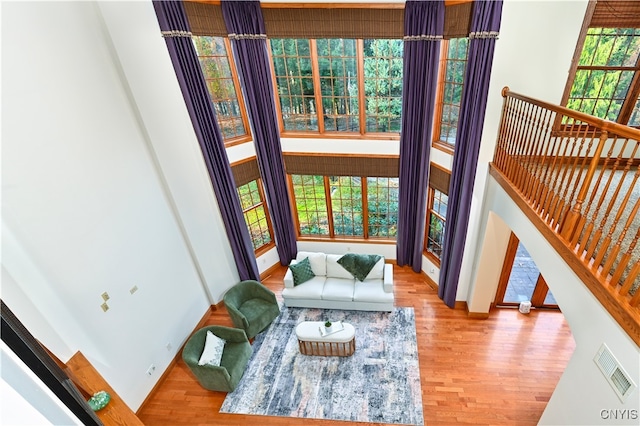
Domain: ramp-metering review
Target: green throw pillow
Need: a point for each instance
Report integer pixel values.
(301, 271)
(359, 265)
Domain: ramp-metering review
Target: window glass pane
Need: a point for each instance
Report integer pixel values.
(292, 67)
(436, 217)
(383, 84)
(255, 214)
(456, 61)
(339, 84)
(346, 205)
(382, 201)
(598, 89)
(311, 204)
(216, 68)
(635, 115)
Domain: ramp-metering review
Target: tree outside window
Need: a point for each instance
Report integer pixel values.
(449, 98)
(221, 80)
(436, 218)
(255, 214)
(346, 206)
(603, 85)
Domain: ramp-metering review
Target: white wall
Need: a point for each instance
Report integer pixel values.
(102, 190)
(532, 56)
(582, 391)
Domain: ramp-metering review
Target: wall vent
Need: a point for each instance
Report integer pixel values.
(614, 373)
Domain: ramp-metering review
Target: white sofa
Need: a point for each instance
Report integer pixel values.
(333, 287)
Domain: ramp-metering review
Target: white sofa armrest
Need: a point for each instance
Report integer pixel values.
(288, 277)
(388, 278)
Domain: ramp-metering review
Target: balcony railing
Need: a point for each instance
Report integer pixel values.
(580, 177)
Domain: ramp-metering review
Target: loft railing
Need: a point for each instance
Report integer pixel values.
(580, 176)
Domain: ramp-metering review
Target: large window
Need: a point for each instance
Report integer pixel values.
(437, 202)
(255, 214)
(454, 61)
(383, 85)
(323, 85)
(346, 206)
(607, 77)
(221, 79)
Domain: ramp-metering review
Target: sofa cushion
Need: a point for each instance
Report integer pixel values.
(359, 265)
(317, 260)
(338, 289)
(334, 269)
(371, 291)
(311, 289)
(301, 271)
(377, 272)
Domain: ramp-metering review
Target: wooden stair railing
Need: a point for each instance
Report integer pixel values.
(580, 175)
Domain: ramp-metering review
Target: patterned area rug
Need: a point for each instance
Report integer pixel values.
(379, 383)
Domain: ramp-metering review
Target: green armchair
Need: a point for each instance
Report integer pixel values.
(235, 357)
(251, 306)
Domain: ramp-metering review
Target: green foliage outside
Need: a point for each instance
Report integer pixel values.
(601, 92)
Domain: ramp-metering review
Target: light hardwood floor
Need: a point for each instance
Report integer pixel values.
(501, 370)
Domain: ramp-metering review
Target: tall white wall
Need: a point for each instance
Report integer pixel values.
(103, 191)
(532, 56)
(582, 392)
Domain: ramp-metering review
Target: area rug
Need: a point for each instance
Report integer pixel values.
(379, 383)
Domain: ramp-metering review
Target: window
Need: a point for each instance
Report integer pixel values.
(311, 204)
(436, 217)
(437, 202)
(352, 201)
(323, 84)
(255, 213)
(606, 82)
(383, 85)
(382, 197)
(454, 55)
(221, 78)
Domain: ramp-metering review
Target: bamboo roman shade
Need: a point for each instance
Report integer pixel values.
(325, 22)
(205, 19)
(329, 165)
(439, 179)
(616, 14)
(245, 171)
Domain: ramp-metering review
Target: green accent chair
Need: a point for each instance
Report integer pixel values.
(235, 357)
(251, 306)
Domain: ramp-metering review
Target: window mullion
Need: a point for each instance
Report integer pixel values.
(361, 98)
(327, 195)
(365, 207)
(315, 69)
(294, 206)
(632, 97)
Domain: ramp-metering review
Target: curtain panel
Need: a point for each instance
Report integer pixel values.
(484, 31)
(424, 25)
(175, 29)
(249, 42)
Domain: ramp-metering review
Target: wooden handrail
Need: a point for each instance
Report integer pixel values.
(577, 173)
(609, 126)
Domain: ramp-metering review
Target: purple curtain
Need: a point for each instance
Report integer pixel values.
(484, 31)
(423, 28)
(175, 28)
(246, 31)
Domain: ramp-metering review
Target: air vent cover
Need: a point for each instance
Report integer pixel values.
(614, 373)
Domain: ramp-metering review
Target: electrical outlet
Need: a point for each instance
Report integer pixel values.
(169, 346)
(432, 270)
(133, 289)
(105, 296)
(105, 307)
(151, 369)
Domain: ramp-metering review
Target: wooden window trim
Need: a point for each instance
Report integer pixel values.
(634, 88)
(265, 247)
(362, 134)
